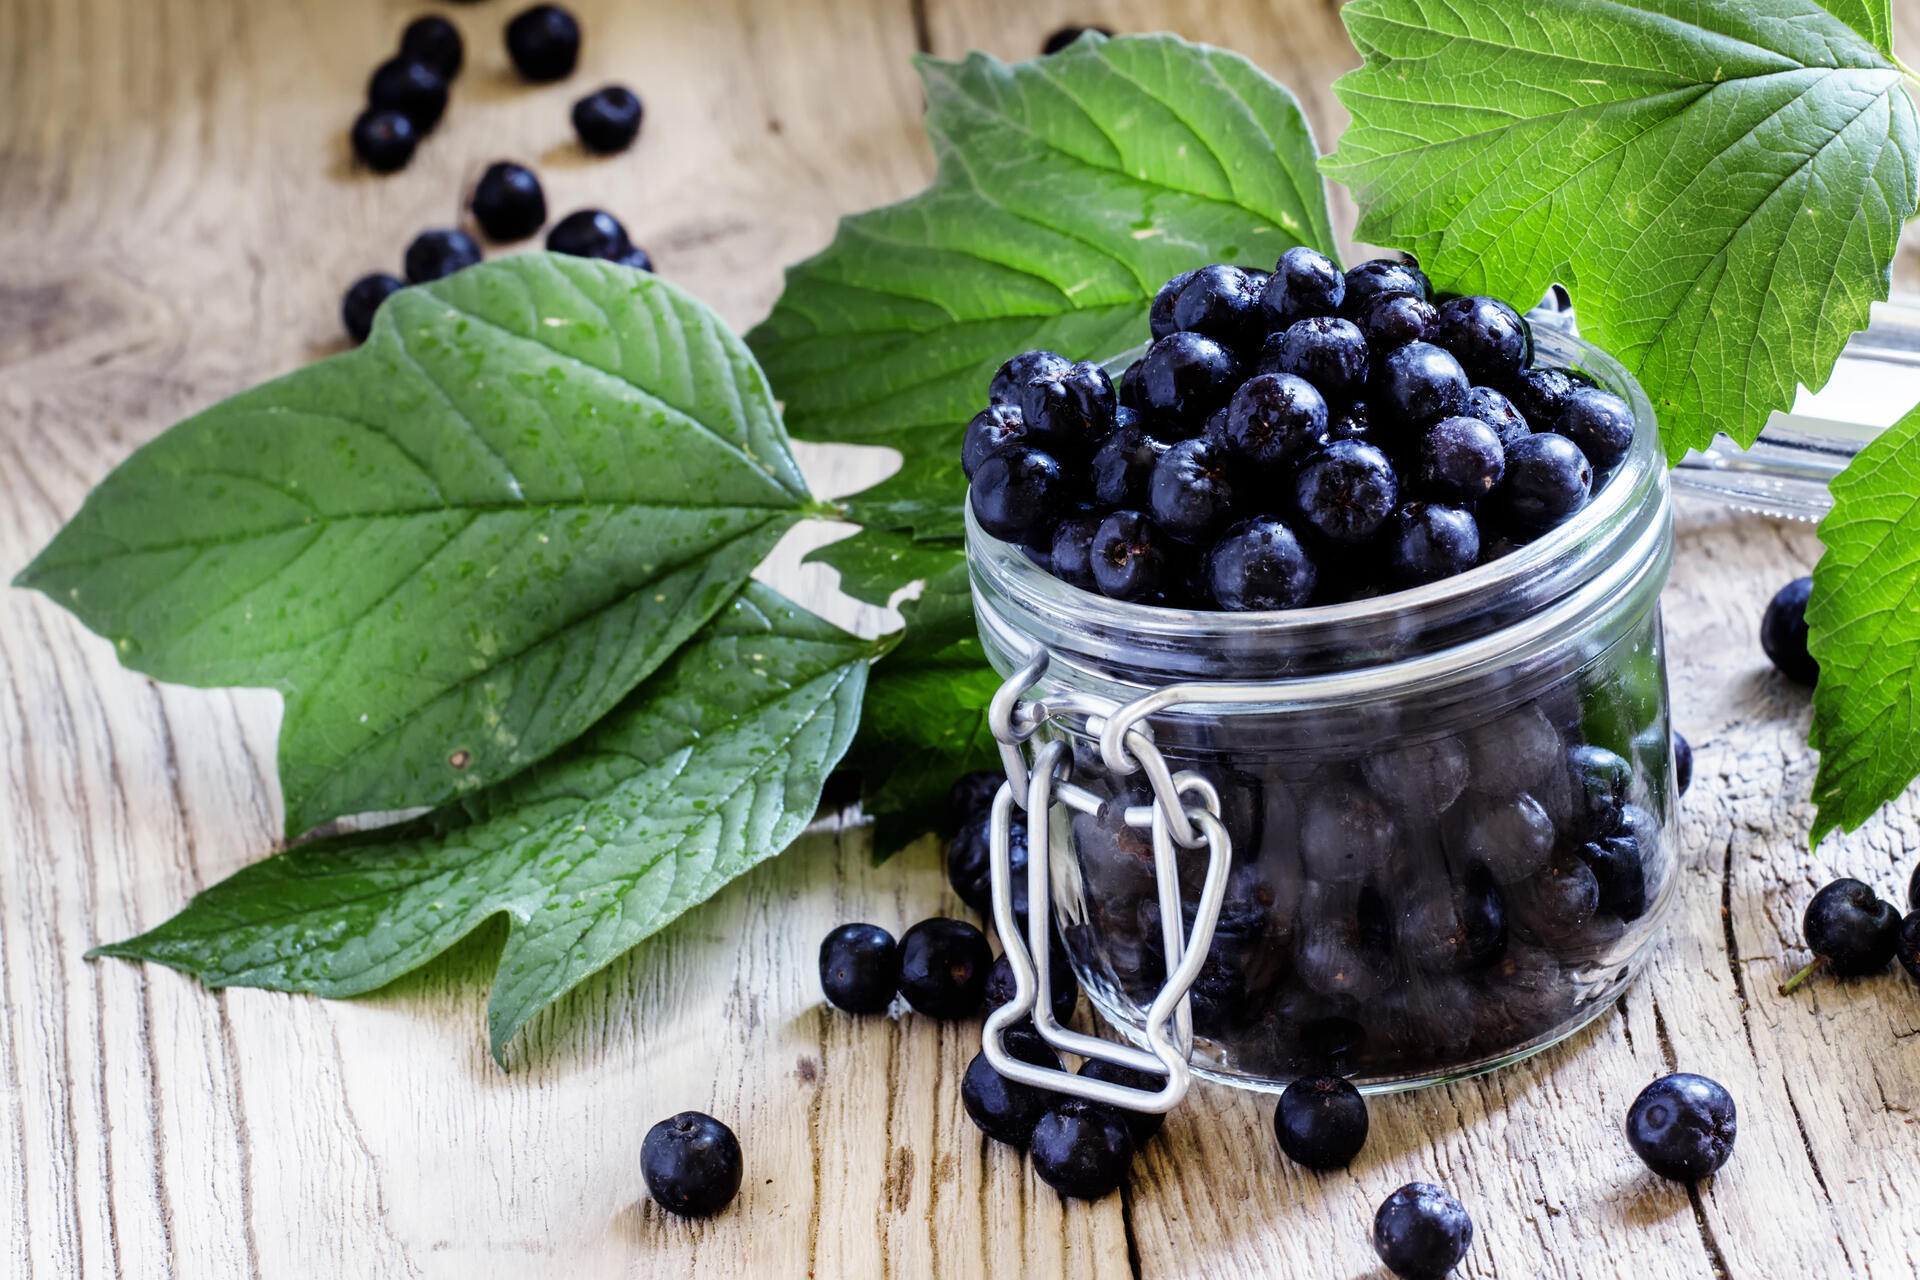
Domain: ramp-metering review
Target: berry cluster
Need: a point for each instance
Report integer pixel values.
(1290, 438)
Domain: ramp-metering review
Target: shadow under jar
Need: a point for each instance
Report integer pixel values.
(1450, 807)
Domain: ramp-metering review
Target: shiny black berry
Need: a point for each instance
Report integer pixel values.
(1017, 493)
(1351, 423)
(1327, 351)
(1274, 418)
(1006, 1110)
(1260, 564)
(1068, 410)
(436, 42)
(1160, 314)
(1065, 36)
(1485, 335)
(544, 42)
(1081, 1149)
(412, 88)
(1419, 384)
(1071, 553)
(1460, 460)
(1421, 1232)
(608, 119)
(1191, 492)
(968, 864)
(1141, 1124)
(1221, 302)
(1183, 378)
(438, 253)
(1123, 464)
(1381, 277)
(508, 202)
(1541, 394)
(1547, 480)
(1392, 320)
(1683, 768)
(994, 429)
(943, 967)
(1907, 944)
(637, 258)
(972, 796)
(1851, 928)
(1683, 1126)
(1305, 282)
(384, 140)
(589, 233)
(1498, 412)
(860, 968)
(1913, 891)
(1130, 557)
(1619, 871)
(1321, 1122)
(1783, 632)
(1599, 422)
(691, 1164)
(1426, 541)
(1346, 491)
(1001, 988)
(363, 298)
(1020, 370)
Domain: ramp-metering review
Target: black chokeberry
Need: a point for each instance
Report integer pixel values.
(1602, 785)
(1123, 464)
(1345, 834)
(1619, 867)
(1419, 384)
(589, 233)
(508, 202)
(1274, 418)
(1305, 282)
(1426, 541)
(1065, 997)
(1599, 422)
(384, 140)
(1913, 891)
(1004, 1109)
(860, 968)
(1381, 277)
(410, 87)
(544, 42)
(1421, 1232)
(1321, 1122)
(1068, 410)
(1850, 928)
(1683, 1126)
(1141, 1124)
(1460, 460)
(1553, 903)
(1020, 370)
(1511, 835)
(1160, 314)
(1783, 632)
(636, 258)
(969, 867)
(1191, 492)
(1081, 1149)
(1906, 944)
(1067, 35)
(363, 298)
(1327, 351)
(1260, 564)
(1183, 378)
(1017, 493)
(994, 429)
(436, 42)
(440, 252)
(1071, 555)
(1547, 480)
(692, 1164)
(1485, 335)
(1346, 491)
(1540, 394)
(1498, 412)
(943, 967)
(1683, 767)
(1351, 423)
(1221, 302)
(608, 120)
(1392, 320)
(1130, 557)
(971, 796)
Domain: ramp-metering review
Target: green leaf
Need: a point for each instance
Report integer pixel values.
(1720, 185)
(711, 766)
(1068, 189)
(453, 549)
(1864, 629)
(1871, 18)
(872, 568)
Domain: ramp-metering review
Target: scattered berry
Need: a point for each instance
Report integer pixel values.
(1849, 928)
(1081, 1149)
(1141, 1124)
(943, 967)
(1006, 1110)
(969, 868)
(1682, 1126)
(363, 298)
(1321, 1122)
(1421, 1232)
(436, 42)
(608, 120)
(508, 202)
(544, 42)
(589, 233)
(1913, 890)
(860, 968)
(439, 252)
(1066, 36)
(1683, 765)
(1783, 633)
(384, 140)
(412, 88)
(692, 1164)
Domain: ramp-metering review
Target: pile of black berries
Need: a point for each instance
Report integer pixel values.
(1291, 438)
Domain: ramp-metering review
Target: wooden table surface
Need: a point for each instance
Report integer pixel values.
(178, 215)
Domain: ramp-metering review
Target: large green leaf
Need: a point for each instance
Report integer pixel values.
(1864, 628)
(1068, 189)
(1719, 184)
(712, 765)
(453, 549)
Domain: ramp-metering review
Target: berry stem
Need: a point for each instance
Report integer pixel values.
(1786, 988)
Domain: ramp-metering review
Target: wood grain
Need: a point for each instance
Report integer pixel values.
(177, 218)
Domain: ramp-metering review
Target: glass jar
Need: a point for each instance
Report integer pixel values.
(1450, 807)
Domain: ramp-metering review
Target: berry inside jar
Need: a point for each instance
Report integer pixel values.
(1292, 438)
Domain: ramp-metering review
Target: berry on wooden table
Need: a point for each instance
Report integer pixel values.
(1682, 1126)
(1783, 632)
(1906, 944)
(1421, 1232)
(1683, 764)
(1067, 35)
(1850, 929)
(971, 797)
(860, 968)
(943, 967)
(412, 88)
(438, 253)
(508, 202)
(436, 42)
(589, 233)
(692, 1164)
(384, 139)
(1141, 1124)
(608, 120)
(1081, 1149)
(363, 298)
(1006, 1110)
(544, 42)
(1321, 1122)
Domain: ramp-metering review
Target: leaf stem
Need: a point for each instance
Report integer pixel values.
(1786, 988)
(1913, 77)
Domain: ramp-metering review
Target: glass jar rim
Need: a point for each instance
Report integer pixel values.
(1620, 535)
